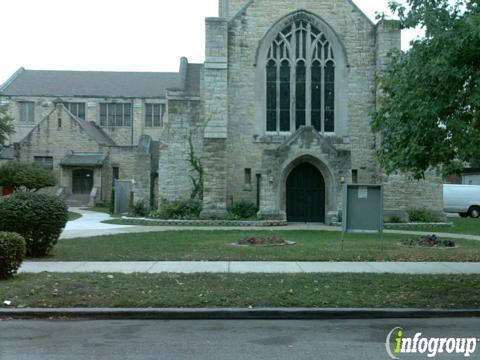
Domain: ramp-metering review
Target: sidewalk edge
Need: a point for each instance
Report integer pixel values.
(231, 313)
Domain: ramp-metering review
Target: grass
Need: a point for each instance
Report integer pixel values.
(73, 216)
(231, 290)
(216, 246)
(460, 226)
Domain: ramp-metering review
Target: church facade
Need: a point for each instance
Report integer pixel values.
(279, 114)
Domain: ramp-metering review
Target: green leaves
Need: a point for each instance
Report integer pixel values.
(30, 176)
(6, 126)
(428, 113)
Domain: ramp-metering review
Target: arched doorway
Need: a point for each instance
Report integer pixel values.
(305, 194)
(82, 180)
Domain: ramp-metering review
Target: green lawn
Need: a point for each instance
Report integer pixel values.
(217, 245)
(460, 226)
(231, 290)
(73, 216)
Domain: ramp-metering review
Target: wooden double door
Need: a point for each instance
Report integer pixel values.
(305, 195)
(82, 181)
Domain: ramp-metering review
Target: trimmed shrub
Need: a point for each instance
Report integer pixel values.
(140, 209)
(243, 210)
(12, 253)
(178, 210)
(25, 175)
(395, 220)
(39, 218)
(420, 215)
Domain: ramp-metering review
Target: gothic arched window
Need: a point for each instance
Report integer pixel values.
(300, 80)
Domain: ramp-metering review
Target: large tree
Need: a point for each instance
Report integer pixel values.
(6, 126)
(428, 113)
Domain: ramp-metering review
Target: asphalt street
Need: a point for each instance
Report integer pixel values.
(219, 339)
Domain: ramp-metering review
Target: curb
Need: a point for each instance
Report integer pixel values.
(232, 313)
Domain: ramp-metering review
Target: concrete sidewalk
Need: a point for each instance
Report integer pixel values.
(155, 267)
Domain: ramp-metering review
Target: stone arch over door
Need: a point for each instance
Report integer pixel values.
(330, 188)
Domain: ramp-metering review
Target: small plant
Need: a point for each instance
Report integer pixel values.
(339, 216)
(428, 241)
(395, 220)
(243, 210)
(420, 215)
(178, 210)
(140, 209)
(39, 218)
(26, 176)
(12, 253)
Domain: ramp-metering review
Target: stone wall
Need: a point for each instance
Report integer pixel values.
(246, 143)
(174, 169)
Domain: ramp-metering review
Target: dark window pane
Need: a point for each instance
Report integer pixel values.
(271, 96)
(271, 71)
(300, 118)
(330, 72)
(103, 114)
(285, 120)
(329, 121)
(148, 115)
(81, 111)
(300, 96)
(119, 115)
(285, 94)
(27, 112)
(316, 73)
(44, 161)
(271, 120)
(157, 115)
(316, 119)
(127, 115)
(111, 115)
(285, 72)
(330, 97)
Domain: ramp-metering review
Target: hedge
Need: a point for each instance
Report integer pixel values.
(39, 218)
(12, 253)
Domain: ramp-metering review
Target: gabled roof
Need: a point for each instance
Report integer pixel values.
(99, 83)
(84, 159)
(91, 129)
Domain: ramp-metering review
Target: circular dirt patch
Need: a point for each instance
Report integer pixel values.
(263, 241)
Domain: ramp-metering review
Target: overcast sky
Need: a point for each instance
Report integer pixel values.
(128, 35)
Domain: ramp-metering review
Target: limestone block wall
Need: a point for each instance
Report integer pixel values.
(133, 165)
(245, 142)
(47, 138)
(174, 169)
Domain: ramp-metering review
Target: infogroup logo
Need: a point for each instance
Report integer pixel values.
(397, 343)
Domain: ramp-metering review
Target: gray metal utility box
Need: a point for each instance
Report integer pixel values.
(362, 208)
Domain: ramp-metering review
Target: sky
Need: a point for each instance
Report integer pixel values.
(112, 35)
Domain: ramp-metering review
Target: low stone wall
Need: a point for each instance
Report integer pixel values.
(232, 223)
(400, 226)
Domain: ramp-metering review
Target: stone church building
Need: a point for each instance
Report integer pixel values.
(279, 114)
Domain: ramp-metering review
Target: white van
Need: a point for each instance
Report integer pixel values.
(462, 199)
